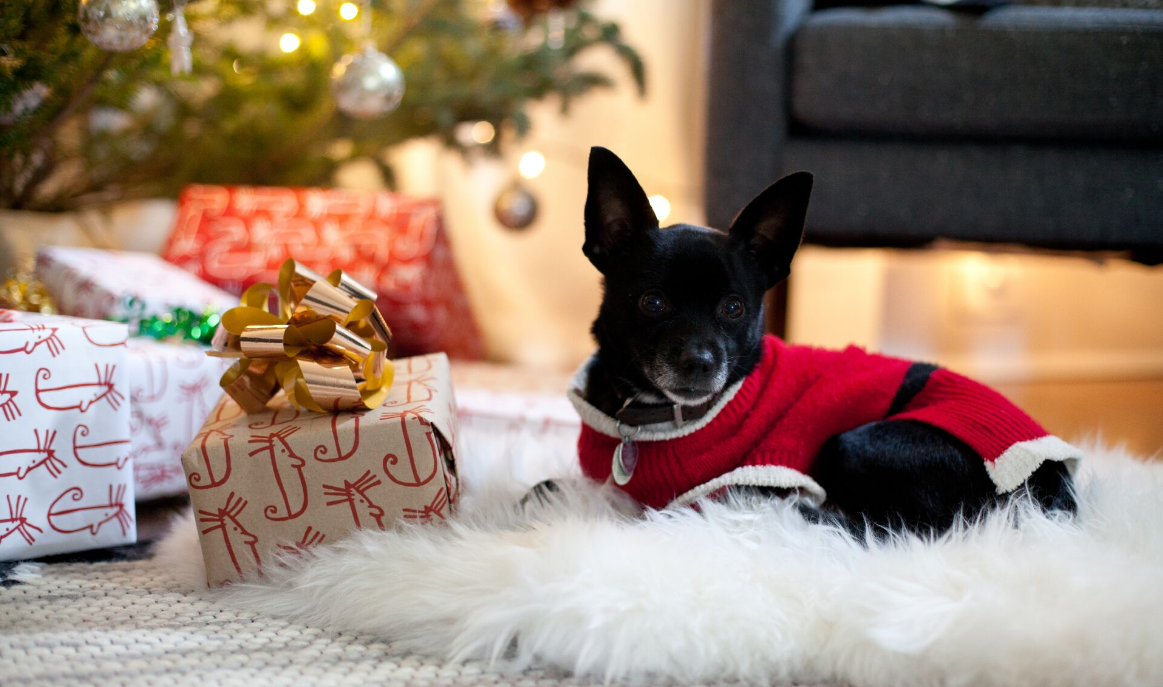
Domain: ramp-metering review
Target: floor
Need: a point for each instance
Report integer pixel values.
(1118, 411)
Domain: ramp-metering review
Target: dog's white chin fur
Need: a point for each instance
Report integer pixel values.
(745, 589)
(687, 400)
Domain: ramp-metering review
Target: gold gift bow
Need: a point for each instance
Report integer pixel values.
(326, 347)
(23, 291)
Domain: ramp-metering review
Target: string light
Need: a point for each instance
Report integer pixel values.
(289, 42)
(348, 10)
(483, 132)
(306, 7)
(661, 206)
(532, 164)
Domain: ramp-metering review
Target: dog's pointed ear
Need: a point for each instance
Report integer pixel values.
(616, 207)
(772, 225)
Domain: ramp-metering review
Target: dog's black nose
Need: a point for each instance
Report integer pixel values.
(696, 361)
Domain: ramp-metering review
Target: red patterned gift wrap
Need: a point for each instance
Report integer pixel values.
(235, 236)
(282, 479)
(66, 483)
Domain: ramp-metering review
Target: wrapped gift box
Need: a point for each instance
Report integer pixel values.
(65, 471)
(519, 415)
(234, 236)
(100, 284)
(283, 479)
(172, 388)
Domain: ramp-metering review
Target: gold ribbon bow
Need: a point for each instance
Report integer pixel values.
(326, 347)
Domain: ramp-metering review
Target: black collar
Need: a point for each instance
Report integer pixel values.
(637, 414)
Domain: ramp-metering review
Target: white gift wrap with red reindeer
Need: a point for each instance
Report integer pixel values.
(87, 282)
(172, 388)
(66, 483)
(274, 482)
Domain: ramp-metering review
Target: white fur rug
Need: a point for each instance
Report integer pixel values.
(745, 590)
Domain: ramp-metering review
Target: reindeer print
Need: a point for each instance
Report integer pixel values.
(149, 476)
(225, 412)
(432, 510)
(25, 338)
(78, 396)
(211, 477)
(354, 494)
(16, 523)
(8, 405)
(105, 336)
(153, 386)
(91, 517)
(139, 421)
(18, 462)
(193, 397)
(278, 417)
(415, 374)
(285, 464)
(97, 455)
(322, 450)
(310, 538)
(234, 535)
(418, 471)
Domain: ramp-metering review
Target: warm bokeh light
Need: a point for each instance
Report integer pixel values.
(532, 164)
(661, 207)
(483, 132)
(289, 42)
(306, 7)
(348, 10)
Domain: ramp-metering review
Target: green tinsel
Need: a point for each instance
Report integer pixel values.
(180, 324)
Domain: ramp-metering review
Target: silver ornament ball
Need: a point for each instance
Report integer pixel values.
(516, 207)
(118, 25)
(367, 84)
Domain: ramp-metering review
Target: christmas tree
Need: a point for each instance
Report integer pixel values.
(80, 125)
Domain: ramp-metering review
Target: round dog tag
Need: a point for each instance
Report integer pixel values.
(625, 460)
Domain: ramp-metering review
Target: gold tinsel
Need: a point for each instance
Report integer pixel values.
(23, 291)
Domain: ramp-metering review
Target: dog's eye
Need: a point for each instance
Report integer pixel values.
(652, 302)
(732, 308)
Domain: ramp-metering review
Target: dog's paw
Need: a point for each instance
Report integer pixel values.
(540, 496)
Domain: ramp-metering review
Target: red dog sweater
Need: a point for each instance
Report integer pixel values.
(767, 429)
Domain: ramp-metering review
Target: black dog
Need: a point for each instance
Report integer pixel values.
(681, 321)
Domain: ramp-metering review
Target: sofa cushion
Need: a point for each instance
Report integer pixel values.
(1014, 72)
(882, 193)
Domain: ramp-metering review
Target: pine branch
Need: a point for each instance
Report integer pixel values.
(249, 114)
(43, 141)
(416, 19)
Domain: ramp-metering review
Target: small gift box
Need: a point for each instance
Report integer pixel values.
(285, 478)
(123, 286)
(65, 469)
(172, 388)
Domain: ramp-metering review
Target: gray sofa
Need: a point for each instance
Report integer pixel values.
(1034, 125)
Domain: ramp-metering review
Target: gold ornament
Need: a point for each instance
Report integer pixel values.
(23, 291)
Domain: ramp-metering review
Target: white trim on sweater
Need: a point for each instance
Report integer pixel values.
(662, 431)
(1012, 468)
(756, 476)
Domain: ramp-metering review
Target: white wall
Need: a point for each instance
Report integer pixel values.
(535, 292)
(999, 317)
